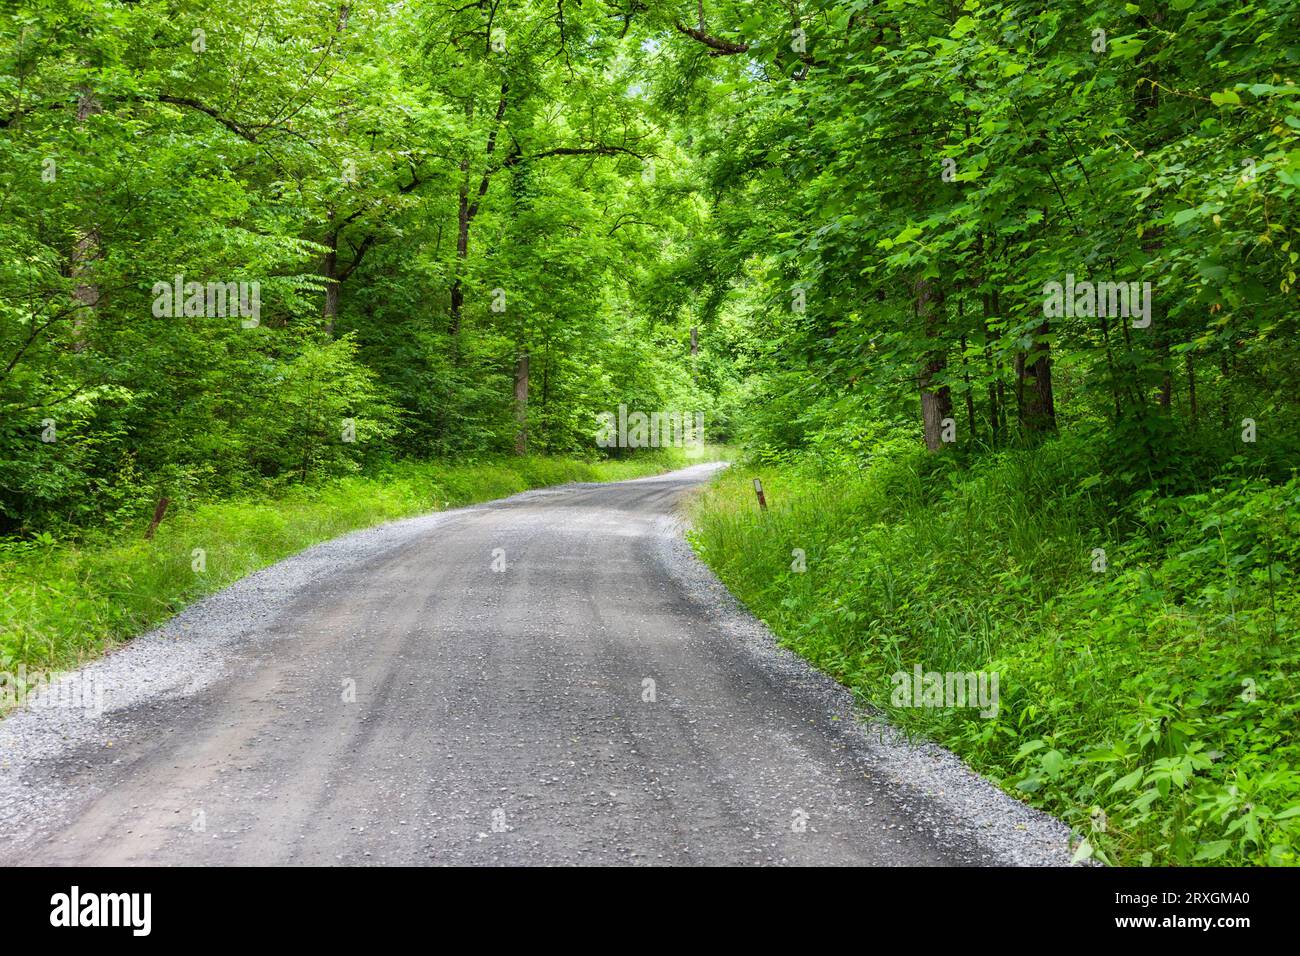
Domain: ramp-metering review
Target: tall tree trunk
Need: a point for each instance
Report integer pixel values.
(462, 251)
(1159, 327)
(521, 403)
(86, 247)
(330, 267)
(994, 431)
(1166, 395)
(1225, 372)
(995, 382)
(1034, 384)
(1110, 367)
(967, 394)
(936, 403)
(330, 272)
(970, 393)
(468, 209)
(1002, 409)
(546, 377)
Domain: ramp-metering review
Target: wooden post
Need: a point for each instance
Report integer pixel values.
(758, 490)
(158, 512)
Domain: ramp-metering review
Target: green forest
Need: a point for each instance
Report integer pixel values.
(997, 299)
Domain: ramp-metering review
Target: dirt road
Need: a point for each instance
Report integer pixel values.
(548, 679)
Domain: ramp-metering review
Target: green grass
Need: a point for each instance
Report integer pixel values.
(1152, 705)
(65, 602)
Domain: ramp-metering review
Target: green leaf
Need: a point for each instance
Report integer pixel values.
(1082, 852)
(1126, 782)
(1214, 850)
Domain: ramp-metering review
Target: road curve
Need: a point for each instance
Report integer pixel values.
(471, 687)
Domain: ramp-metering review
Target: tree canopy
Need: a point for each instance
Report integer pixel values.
(474, 226)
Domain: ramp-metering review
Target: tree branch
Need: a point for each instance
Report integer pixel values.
(716, 45)
(601, 150)
(237, 128)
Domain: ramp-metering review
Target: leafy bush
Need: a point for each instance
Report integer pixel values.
(1151, 705)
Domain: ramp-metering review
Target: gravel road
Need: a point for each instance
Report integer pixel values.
(472, 687)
